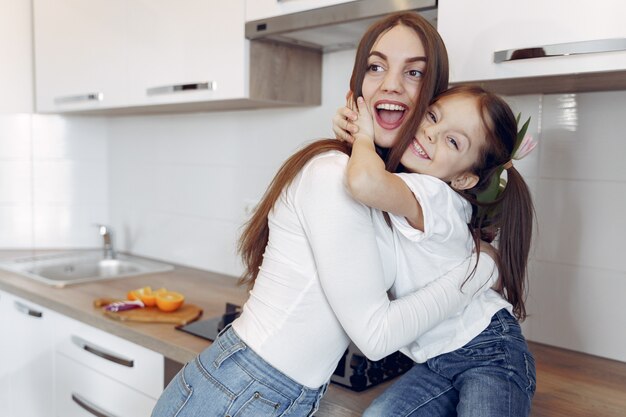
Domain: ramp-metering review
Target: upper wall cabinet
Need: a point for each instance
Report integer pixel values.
(186, 54)
(261, 9)
(16, 80)
(146, 56)
(80, 54)
(536, 45)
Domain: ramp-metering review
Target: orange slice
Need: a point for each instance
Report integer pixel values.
(146, 295)
(169, 301)
(149, 297)
(136, 294)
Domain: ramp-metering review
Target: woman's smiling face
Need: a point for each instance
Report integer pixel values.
(395, 67)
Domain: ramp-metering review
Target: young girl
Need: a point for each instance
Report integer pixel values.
(476, 362)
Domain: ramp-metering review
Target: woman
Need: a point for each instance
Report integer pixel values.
(312, 256)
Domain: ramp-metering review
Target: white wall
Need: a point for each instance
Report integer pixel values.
(578, 277)
(53, 181)
(179, 183)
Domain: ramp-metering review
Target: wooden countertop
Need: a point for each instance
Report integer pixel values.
(210, 291)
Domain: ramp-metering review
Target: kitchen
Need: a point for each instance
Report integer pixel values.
(177, 180)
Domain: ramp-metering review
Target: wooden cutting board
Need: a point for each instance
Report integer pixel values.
(184, 315)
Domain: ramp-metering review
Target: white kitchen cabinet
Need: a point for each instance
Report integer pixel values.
(84, 392)
(186, 54)
(51, 362)
(16, 72)
(117, 359)
(5, 376)
(261, 9)
(27, 358)
(474, 30)
(154, 56)
(80, 54)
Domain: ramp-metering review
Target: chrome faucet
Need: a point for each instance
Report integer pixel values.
(107, 239)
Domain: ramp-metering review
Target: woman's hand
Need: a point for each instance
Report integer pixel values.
(489, 250)
(343, 121)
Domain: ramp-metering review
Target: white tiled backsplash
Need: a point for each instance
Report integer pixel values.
(53, 181)
(180, 183)
(175, 188)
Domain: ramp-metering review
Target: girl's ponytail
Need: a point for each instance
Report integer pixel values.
(515, 226)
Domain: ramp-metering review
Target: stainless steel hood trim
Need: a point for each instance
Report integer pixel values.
(279, 27)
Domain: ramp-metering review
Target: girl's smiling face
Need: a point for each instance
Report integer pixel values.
(395, 67)
(448, 142)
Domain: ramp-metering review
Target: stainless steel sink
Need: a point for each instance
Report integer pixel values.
(77, 267)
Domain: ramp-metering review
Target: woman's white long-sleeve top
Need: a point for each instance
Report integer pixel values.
(324, 279)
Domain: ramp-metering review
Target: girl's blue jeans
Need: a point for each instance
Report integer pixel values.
(229, 379)
(492, 376)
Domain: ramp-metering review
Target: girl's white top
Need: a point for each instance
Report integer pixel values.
(326, 270)
(445, 244)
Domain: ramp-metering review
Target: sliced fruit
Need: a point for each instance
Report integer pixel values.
(149, 297)
(169, 301)
(146, 295)
(136, 294)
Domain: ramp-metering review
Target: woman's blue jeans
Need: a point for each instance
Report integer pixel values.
(492, 376)
(229, 379)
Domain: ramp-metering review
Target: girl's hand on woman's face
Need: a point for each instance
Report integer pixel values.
(343, 126)
(364, 122)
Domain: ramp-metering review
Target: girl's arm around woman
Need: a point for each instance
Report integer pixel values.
(344, 244)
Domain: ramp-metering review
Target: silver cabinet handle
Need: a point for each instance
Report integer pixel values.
(90, 407)
(103, 353)
(23, 308)
(170, 89)
(561, 49)
(79, 98)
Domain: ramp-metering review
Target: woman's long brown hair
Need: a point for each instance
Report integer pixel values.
(255, 235)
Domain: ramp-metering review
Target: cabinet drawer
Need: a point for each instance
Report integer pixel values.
(82, 392)
(112, 356)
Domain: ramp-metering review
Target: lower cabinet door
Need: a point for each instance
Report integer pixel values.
(26, 358)
(83, 392)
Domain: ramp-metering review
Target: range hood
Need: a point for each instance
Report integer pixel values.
(334, 28)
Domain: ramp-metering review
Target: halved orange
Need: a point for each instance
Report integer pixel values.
(169, 301)
(136, 294)
(149, 297)
(146, 295)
